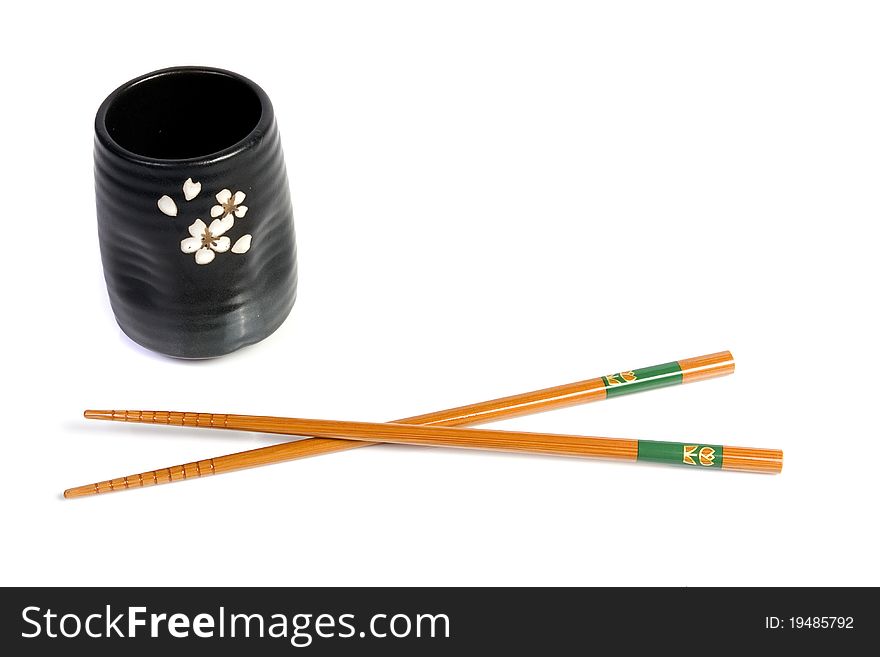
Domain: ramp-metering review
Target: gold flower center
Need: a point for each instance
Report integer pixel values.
(229, 206)
(208, 239)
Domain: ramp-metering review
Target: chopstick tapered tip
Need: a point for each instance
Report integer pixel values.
(98, 415)
(79, 491)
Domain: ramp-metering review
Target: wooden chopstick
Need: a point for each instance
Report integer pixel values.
(692, 454)
(683, 371)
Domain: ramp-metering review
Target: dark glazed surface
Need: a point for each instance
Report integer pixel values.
(152, 134)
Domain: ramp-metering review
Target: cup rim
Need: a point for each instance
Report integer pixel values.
(262, 126)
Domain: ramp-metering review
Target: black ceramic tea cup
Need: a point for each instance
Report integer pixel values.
(194, 216)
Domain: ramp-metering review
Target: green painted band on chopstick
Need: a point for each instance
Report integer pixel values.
(647, 378)
(695, 454)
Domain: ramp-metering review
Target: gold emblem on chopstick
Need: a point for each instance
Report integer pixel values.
(625, 377)
(706, 455)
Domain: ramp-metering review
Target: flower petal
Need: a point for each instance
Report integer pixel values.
(223, 195)
(191, 244)
(240, 211)
(191, 189)
(204, 256)
(217, 211)
(221, 245)
(167, 206)
(239, 198)
(198, 228)
(220, 226)
(242, 244)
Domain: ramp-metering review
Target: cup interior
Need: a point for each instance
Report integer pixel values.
(183, 114)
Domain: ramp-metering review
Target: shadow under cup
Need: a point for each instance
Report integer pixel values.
(195, 222)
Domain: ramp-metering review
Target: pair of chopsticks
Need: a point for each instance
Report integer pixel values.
(438, 430)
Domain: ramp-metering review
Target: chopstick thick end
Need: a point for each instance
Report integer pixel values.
(752, 459)
(707, 367)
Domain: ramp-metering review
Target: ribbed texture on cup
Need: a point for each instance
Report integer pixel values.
(162, 299)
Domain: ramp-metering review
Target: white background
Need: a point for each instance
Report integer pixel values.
(490, 198)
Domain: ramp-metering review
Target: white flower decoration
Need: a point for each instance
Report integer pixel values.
(242, 245)
(168, 206)
(206, 240)
(230, 204)
(191, 189)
